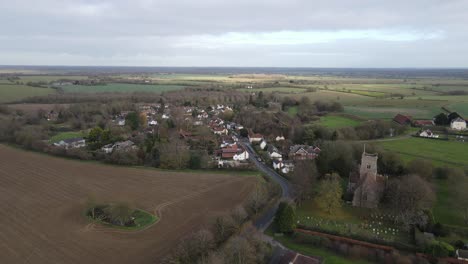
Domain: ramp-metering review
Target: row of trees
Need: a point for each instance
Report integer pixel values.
(229, 238)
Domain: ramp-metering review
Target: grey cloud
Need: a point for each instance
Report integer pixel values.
(145, 32)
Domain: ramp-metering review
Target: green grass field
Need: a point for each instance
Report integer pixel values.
(11, 92)
(332, 121)
(66, 135)
(292, 90)
(328, 256)
(51, 78)
(292, 111)
(440, 152)
(120, 88)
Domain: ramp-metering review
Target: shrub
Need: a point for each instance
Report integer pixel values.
(439, 249)
(285, 219)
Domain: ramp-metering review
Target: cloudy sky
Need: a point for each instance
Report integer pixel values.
(276, 33)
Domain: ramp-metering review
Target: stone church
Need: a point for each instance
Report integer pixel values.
(367, 186)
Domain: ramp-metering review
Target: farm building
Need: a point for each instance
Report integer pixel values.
(71, 143)
(458, 124)
(422, 123)
(402, 119)
(428, 134)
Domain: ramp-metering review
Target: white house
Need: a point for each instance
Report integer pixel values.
(71, 143)
(458, 124)
(279, 138)
(220, 131)
(255, 138)
(285, 167)
(241, 156)
(108, 148)
(164, 116)
(428, 134)
(263, 144)
(120, 121)
(274, 153)
(462, 254)
(153, 123)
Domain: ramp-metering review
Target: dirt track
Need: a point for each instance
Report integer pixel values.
(42, 199)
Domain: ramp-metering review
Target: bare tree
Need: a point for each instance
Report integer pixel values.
(408, 198)
(304, 178)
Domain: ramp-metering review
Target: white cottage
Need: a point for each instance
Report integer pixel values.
(458, 124)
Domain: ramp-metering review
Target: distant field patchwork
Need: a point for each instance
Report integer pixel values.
(120, 88)
(11, 92)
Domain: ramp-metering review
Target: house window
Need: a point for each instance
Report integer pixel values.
(368, 166)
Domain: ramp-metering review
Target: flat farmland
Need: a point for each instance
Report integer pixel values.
(43, 199)
(13, 92)
(120, 88)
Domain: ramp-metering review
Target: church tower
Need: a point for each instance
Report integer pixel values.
(368, 164)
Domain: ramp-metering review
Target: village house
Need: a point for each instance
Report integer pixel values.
(186, 135)
(367, 186)
(428, 134)
(274, 153)
(402, 119)
(462, 254)
(283, 166)
(153, 122)
(303, 152)
(458, 124)
(233, 152)
(255, 138)
(52, 116)
(219, 130)
(165, 116)
(71, 143)
(279, 138)
(121, 145)
(263, 144)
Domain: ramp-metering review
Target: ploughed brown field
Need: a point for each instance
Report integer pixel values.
(42, 199)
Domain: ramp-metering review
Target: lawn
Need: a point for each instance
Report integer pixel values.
(328, 256)
(292, 111)
(333, 121)
(66, 135)
(438, 151)
(12, 92)
(349, 221)
(441, 153)
(120, 88)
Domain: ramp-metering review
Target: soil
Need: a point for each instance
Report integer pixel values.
(43, 201)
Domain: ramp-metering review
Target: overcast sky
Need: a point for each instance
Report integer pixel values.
(277, 33)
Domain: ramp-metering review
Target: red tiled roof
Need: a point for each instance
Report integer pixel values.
(402, 119)
(423, 122)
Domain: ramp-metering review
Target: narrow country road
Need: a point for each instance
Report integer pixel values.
(267, 218)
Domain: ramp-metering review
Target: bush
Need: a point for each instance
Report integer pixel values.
(285, 219)
(439, 249)
(448, 173)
